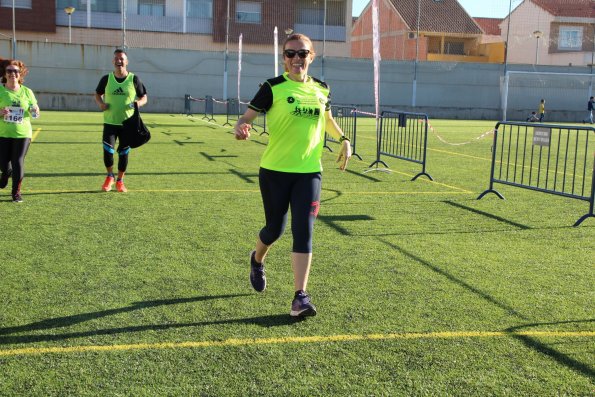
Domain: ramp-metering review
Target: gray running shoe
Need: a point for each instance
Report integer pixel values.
(301, 305)
(257, 277)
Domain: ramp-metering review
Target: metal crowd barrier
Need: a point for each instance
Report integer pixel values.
(208, 106)
(556, 159)
(260, 122)
(403, 135)
(233, 111)
(209, 109)
(346, 118)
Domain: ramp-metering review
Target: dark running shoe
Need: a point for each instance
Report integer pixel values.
(16, 198)
(4, 178)
(257, 277)
(301, 305)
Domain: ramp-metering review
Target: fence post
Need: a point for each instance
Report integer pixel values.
(590, 214)
(209, 116)
(187, 105)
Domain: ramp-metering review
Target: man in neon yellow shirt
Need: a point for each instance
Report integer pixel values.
(116, 95)
(298, 114)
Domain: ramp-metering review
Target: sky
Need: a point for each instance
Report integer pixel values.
(475, 8)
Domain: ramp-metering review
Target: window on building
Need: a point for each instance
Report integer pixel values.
(199, 9)
(570, 38)
(81, 5)
(17, 3)
(154, 8)
(312, 12)
(96, 5)
(454, 47)
(248, 12)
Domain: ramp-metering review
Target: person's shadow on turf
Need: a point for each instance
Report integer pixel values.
(7, 337)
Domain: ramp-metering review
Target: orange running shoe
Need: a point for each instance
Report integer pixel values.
(107, 185)
(120, 186)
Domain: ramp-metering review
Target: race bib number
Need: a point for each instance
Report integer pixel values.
(15, 115)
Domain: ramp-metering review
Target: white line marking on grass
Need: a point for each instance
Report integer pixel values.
(209, 122)
(287, 340)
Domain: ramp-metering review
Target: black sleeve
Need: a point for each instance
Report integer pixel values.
(101, 86)
(263, 100)
(141, 91)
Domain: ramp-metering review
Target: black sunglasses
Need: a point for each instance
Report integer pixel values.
(301, 53)
(15, 71)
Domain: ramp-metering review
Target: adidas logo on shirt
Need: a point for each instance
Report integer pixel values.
(119, 91)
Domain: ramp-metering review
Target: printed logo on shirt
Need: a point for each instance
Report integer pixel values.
(119, 91)
(290, 99)
(306, 112)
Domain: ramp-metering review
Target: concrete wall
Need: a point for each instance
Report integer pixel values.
(64, 77)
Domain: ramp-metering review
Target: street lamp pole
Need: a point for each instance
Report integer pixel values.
(69, 10)
(124, 25)
(507, 35)
(413, 96)
(592, 59)
(537, 34)
(225, 54)
(323, 40)
(14, 34)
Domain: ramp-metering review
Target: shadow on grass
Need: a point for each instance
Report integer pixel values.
(527, 340)
(487, 215)
(332, 221)
(365, 176)
(542, 348)
(456, 280)
(7, 337)
(248, 178)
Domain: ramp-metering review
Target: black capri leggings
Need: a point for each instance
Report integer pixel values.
(279, 191)
(110, 133)
(12, 153)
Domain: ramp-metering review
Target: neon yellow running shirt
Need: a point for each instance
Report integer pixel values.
(17, 124)
(119, 96)
(295, 121)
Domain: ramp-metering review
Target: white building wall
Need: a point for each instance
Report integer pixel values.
(523, 45)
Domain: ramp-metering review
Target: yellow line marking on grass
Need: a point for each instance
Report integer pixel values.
(411, 176)
(398, 193)
(37, 131)
(461, 154)
(298, 339)
(155, 190)
(432, 182)
(235, 191)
